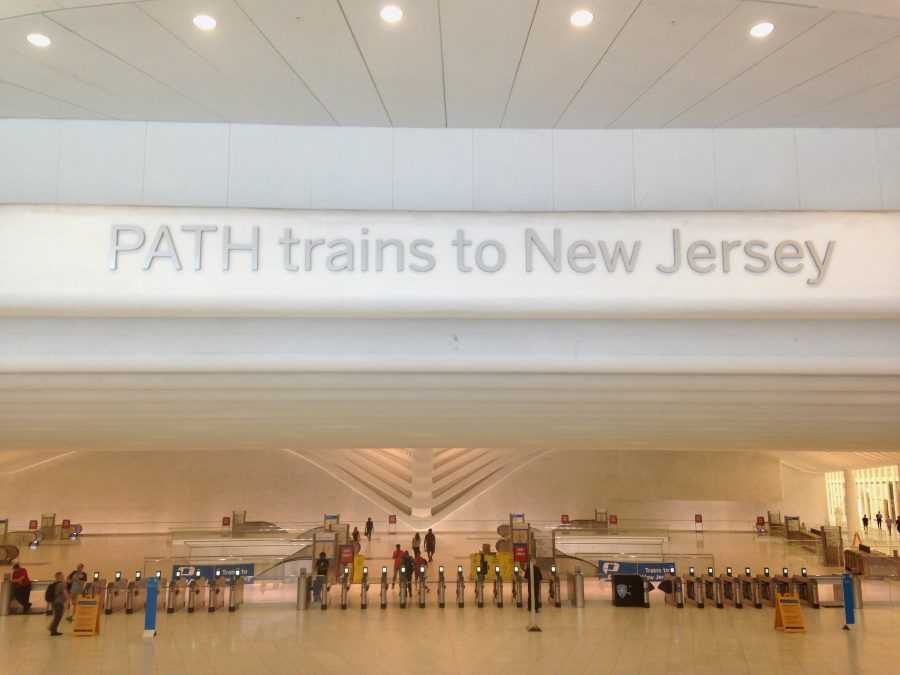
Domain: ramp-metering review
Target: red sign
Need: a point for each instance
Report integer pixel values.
(698, 518)
(346, 554)
(564, 519)
(226, 521)
(66, 523)
(32, 524)
(760, 521)
(613, 519)
(392, 519)
(520, 553)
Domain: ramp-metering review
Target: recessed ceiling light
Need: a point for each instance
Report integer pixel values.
(581, 18)
(762, 30)
(204, 22)
(38, 39)
(391, 13)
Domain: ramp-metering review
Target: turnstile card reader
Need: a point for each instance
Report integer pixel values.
(215, 598)
(731, 589)
(555, 590)
(807, 588)
(460, 587)
(694, 591)
(364, 589)
(517, 585)
(498, 587)
(442, 588)
(384, 587)
(673, 586)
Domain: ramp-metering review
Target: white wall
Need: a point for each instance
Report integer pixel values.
(173, 164)
(154, 491)
(803, 494)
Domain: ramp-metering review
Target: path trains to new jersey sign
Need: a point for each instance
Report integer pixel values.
(237, 262)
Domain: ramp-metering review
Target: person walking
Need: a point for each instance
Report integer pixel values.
(370, 527)
(355, 535)
(878, 519)
(865, 520)
(398, 562)
(57, 597)
(75, 585)
(21, 587)
(417, 543)
(320, 584)
(430, 544)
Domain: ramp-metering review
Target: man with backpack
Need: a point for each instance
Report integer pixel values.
(56, 597)
(75, 585)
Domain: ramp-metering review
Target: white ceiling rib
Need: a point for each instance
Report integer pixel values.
(457, 63)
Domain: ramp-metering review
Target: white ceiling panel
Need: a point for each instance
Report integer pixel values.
(658, 34)
(876, 107)
(871, 69)
(482, 46)
(18, 102)
(558, 58)
(315, 40)
(404, 58)
(21, 7)
(82, 74)
(721, 56)
(827, 44)
(241, 53)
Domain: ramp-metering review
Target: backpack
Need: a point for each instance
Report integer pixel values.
(50, 593)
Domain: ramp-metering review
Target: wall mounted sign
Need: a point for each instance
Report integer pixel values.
(237, 262)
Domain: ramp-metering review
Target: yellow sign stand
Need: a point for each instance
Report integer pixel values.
(788, 613)
(87, 617)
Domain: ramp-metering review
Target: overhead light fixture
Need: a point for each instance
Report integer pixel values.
(38, 39)
(204, 22)
(391, 14)
(762, 30)
(581, 18)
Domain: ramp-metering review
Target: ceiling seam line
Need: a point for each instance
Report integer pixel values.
(178, 39)
(681, 58)
(512, 84)
(852, 94)
(57, 99)
(814, 77)
(597, 64)
(135, 68)
(443, 60)
(284, 60)
(746, 70)
(365, 63)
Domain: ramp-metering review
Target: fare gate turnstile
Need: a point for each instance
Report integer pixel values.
(176, 594)
(460, 587)
(304, 590)
(115, 595)
(765, 584)
(235, 592)
(731, 589)
(345, 587)
(807, 588)
(442, 588)
(384, 587)
(555, 590)
(498, 587)
(215, 598)
(136, 594)
(694, 591)
(712, 589)
(422, 584)
(364, 589)
(404, 586)
(479, 588)
(783, 582)
(197, 593)
(517, 586)
(750, 589)
(674, 595)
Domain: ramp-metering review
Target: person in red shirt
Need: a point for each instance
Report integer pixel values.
(398, 562)
(21, 587)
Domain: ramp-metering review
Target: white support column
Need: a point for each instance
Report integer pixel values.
(851, 505)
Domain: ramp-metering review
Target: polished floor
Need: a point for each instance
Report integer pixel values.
(272, 637)
(598, 639)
